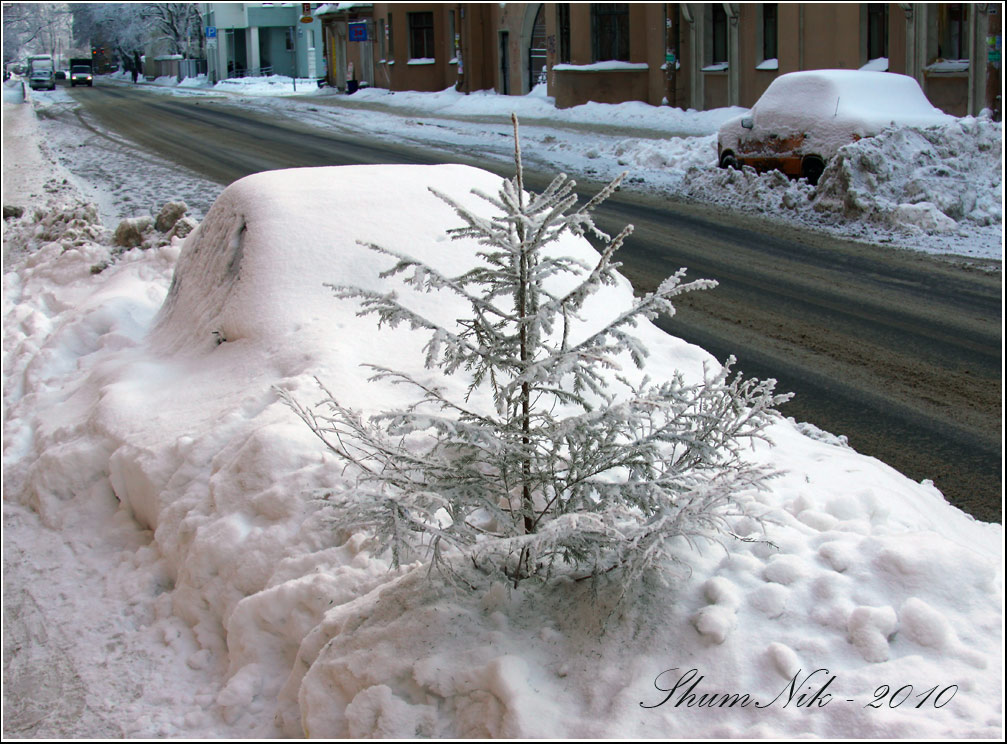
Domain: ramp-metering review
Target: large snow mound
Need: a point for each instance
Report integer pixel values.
(929, 178)
(171, 416)
(938, 180)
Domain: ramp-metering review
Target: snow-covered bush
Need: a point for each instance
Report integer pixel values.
(576, 464)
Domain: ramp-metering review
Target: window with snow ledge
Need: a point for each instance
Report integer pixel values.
(715, 35)
(718, 67)
(606, 66)
(421, 61)
(421, 35)
(767, 33)
(453, 61)
(768, 64)
(874, 21)
(948, 65)
(609, 31)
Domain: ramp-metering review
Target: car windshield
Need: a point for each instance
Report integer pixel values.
(80, 68)
(817, 99)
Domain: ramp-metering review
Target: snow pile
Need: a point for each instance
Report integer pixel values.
(75, 227)
(171, 81)
(537, 105)
(262, 85)
(858, 578)
(608, 157)
(934, 180)
(95, 649)
(771, 192)
(267, 85)
(927, 179)
(13, 91)
(851, 594)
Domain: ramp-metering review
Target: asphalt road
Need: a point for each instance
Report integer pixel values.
(901, 352)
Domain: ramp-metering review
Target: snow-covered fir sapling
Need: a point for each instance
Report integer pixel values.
(575, 467)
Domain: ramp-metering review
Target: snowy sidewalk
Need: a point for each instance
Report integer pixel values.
(90, 647)
(24, 175)
(30, 178)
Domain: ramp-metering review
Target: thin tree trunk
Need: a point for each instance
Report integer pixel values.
(527, 503)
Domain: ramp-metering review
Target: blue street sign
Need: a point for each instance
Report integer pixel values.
(211, 32)
(357, 31)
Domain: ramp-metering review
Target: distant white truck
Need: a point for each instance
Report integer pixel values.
(41, 72)
(81, 72)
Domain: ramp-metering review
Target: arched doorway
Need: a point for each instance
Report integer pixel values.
(537, 50)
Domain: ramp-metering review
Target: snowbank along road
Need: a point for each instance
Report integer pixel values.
(899, 352)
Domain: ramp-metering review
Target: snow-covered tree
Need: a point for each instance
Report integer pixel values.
(34, 28)
(121, 28)
(179, 25)
(129, 28)
(575, 466)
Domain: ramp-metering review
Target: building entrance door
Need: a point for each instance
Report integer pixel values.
(537, 50)
(506, 62)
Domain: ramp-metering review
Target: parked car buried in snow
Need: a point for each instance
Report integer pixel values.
(803, 119)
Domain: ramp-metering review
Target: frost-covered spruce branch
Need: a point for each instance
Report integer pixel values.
(574, 467)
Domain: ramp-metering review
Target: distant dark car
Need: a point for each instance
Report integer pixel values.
(81, 75)
(803, 118)
(60, 74)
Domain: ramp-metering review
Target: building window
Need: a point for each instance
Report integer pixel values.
(391, 38)
(610, 31)
(421, 35)
(716, 48)
(952, 31)
(563, 29)
(290, 38)
(877, 30)
(769, 31)
(382, 40)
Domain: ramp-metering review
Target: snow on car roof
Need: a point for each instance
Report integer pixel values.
(872, 99)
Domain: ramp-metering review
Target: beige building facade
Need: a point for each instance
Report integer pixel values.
(690, 55)
(732, 52)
